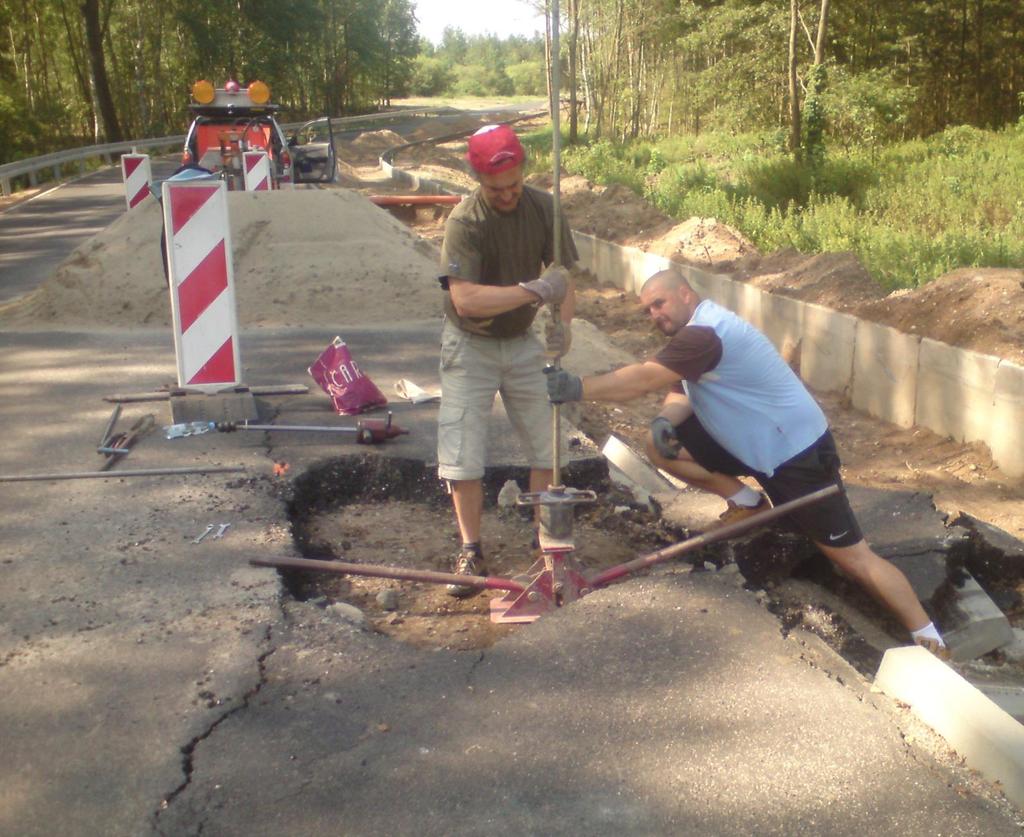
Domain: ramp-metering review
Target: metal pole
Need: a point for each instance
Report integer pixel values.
(556, 157)
(726, 532)
(147, 472)
(296, 427)
(110, 425)
(380, 571)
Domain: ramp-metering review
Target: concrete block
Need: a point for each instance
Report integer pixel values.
(707, 285)
(1006, 437)
(750, 304)
(926, 572)
(646, 265)
(611, 265)
(234, 406)
(783, 319)
(885, 373)
(826, 355)
(955, 391)
(723, 291)
(585, 248)
(970, 622)
(989, 739)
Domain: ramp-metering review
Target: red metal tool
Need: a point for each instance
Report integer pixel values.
(556, 579)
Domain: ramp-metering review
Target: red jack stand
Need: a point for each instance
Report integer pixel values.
(555, 579)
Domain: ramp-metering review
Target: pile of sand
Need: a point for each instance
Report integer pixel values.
(301, 257)
(704, 242)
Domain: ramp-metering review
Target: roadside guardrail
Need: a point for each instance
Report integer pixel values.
(55, 163)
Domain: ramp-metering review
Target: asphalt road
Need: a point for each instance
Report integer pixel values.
(38, 234)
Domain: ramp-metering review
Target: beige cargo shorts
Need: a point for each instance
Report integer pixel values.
(473, 369)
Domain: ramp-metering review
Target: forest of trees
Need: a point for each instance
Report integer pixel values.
(82, 71)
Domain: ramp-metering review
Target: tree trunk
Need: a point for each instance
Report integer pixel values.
(574, 31)
(819, 43)
(794, 86)
(97, 65)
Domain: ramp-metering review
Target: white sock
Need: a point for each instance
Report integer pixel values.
(929, 631)
(746, 496)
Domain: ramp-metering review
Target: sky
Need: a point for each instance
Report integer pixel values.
(477, 17)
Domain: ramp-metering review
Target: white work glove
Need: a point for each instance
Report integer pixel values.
(557, 337)
(551, 286)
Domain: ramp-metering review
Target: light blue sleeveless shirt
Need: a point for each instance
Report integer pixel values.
(752, 403)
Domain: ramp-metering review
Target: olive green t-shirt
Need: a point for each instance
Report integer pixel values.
(496, 248)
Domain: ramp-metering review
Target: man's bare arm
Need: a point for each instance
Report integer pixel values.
(676, 408)
(472, 299)
(629, 382)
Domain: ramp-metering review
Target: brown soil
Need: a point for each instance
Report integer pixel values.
(425, 615)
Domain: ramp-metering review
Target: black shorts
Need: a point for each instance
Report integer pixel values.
(830, 522)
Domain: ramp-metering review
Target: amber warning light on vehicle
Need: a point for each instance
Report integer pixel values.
(205, 93)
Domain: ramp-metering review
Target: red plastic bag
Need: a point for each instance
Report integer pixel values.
(338, 375)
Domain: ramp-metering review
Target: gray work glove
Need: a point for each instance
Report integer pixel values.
(563, 386)
(551, 285)
(558, 338)
(663, 434)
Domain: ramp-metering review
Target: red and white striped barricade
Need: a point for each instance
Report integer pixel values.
(137, 175)
(257, 170)
(202, 284)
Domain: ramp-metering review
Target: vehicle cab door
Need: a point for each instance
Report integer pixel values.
(314, 159)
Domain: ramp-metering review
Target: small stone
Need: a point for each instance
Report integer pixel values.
(621, 509)
(509, 494)
(388, 599)
(709, 567)
(347, 613)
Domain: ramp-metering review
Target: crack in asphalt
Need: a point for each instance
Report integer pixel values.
(188, 750)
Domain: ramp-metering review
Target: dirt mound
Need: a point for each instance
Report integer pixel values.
(981, 309)
(613, 213)
(835, 280)
(367, 147)
(706, 243)
(301, 257)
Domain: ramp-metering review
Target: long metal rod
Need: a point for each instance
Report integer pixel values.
(556, 159)
(381, 571)
(309, 427)
(286, 389)
(146, 472)
(726, 532)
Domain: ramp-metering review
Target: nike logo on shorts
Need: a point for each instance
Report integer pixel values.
(837, 537)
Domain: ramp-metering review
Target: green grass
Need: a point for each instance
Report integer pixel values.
(911, 211)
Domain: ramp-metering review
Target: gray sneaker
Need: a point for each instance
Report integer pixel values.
(467, 562)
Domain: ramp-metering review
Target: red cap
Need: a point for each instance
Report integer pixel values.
(494, 149)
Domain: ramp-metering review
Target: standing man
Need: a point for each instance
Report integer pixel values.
(497, 263)
(734, 408)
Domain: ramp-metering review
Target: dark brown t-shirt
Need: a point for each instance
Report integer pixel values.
(496, 248)
(692, 351)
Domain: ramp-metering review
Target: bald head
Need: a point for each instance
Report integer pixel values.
(669, 300)
(669, 279)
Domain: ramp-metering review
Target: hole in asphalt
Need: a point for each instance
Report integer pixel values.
(370, 509)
